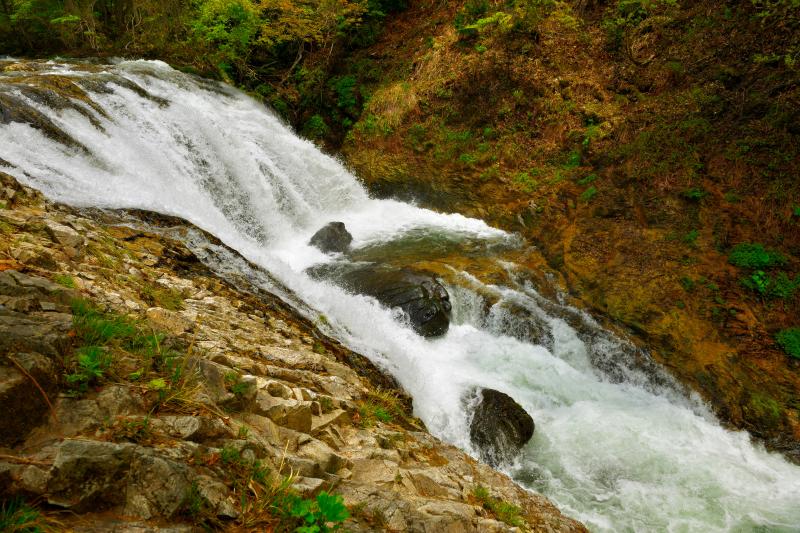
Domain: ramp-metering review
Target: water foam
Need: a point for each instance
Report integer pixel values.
(613, 447)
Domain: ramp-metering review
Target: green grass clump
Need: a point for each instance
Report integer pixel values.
(65, 281)
(504, 511)
(18, 517)
(101, 334)
(381, 406)
(789, 340)
(169, 299)
(755, 256)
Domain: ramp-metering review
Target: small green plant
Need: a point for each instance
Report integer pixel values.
(381, 406)
(796, 211)
(92, 363)
(691, 237)
(587, 180)
(18, 517)
(688, 284)
(755, 256)
(588, 194)
(504, 511)
(323, 514)
(169, 299)
(789, 340)
(65, 281)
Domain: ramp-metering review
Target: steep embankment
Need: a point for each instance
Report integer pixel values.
(636, 144)
(143, 392)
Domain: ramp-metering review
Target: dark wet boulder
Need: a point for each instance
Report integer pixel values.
(418, 294)
(500, 427)
(333, 237)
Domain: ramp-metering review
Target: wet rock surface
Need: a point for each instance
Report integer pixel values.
(142, 446)
(420, 296)
(333, 237)
(500, 427)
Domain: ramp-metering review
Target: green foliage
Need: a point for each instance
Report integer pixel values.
(588, 194)
(587, 180)
(755, 256)
(325, 513)
(625, 14)
(315, 127)
(780, 286)
(169, 299)
(18, 517)
(789, 340)
(504, 511)
(96, 328)
(65, 281)
(691, 237)
(345, 89)
(92, 362)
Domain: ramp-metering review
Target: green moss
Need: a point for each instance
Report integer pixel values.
(765, 408)
(789, 340)
(755, 256)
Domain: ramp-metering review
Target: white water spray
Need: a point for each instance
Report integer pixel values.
(611, 448)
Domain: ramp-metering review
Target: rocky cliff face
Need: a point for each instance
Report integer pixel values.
(143, 393)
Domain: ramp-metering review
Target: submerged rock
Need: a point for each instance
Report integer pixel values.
(421, 297)
(332, 237)
(500, 427)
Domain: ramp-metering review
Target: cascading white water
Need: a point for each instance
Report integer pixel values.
(611, 448)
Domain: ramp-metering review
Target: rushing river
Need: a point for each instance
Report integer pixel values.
(617, 445)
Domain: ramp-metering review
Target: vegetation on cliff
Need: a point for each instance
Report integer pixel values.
(650, 147)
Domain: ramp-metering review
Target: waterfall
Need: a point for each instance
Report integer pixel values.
(617, 445)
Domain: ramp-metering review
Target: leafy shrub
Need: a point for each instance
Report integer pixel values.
(789, 340)
(315, 127)
(755, 256)
(780, 286)
(316, 515)
(345, 89)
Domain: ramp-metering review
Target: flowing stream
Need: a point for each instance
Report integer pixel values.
(617, 445)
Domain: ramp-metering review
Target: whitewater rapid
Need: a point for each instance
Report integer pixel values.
(613, 447)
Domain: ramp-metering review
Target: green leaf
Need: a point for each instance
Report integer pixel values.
(300, 508)
(332, 507)
(157, 384)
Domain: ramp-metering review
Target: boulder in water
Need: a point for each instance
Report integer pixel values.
(421, 297)
(500, 427)
(333, 237)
